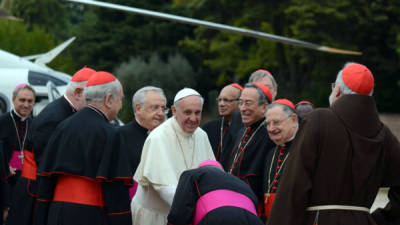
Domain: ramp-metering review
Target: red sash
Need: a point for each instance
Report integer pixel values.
(79, 190)
(29, 167)
(268, 200)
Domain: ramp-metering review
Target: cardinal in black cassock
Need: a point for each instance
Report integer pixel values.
(247, 158)
(83, 173)
(43, 126)
(208, 195)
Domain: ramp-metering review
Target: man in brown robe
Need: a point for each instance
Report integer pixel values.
(339, 160)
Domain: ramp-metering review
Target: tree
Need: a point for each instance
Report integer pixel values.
(17, 39)
(170, 75)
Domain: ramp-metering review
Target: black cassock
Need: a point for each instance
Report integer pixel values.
(9, 124)
(83, 158)
(133, 137)
(42, 128)
(198, 182)
(216, 129)
(13, 133)
(247, 159)
(4, 173)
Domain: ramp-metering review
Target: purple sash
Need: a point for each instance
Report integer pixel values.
(16, 161)
(221, 198)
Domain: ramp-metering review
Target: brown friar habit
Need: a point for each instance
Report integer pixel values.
(217, 135)
(43, 126)
(341, 156)
(248, 158)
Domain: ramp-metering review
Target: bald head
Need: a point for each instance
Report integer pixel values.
(227, 101)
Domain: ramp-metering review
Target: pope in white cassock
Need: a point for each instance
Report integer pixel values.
(173, 147)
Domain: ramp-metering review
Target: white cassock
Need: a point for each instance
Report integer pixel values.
(167, 152)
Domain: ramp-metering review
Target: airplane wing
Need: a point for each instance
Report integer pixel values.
(221, 27)
(43, 59)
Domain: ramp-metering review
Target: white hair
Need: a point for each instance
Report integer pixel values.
(99, 92)
(344, 89)
(72, 85)
(140, 95)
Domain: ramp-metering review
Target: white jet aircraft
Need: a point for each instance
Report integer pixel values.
(48, 83)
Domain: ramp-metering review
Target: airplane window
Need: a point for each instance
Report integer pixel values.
(41, 79)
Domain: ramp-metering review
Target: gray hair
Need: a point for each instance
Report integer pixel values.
(140, 95)
(304, 108)
(286, 109)
(26, 86)
(72, 85)
(344, 89)
(261, 95)
(177, 102)
(99, 92)
(261, 74)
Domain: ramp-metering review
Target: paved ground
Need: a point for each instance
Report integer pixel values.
(381, 199)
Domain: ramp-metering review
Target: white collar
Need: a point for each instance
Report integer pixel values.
(69, 101)
(21, 117)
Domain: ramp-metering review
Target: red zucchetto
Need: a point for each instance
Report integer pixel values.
(358, 78)
(100, 78)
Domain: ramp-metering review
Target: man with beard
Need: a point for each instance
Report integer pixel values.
(43, 126)
(339, 160)
(217, 129)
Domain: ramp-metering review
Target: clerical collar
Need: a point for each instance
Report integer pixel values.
(70, 103)
(142, 127)
(256, 124)
(178, 128)
(19, 116)
(101, 113)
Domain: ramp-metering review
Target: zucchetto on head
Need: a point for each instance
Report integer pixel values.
(184, 93)
(83, 74)
(100, 78)
(358, 78)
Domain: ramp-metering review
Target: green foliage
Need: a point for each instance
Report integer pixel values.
(106, 37)
(170, 75)
(17, 39)
(48, 14)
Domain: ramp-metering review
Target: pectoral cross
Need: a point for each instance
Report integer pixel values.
(266, 198)
(21, 157)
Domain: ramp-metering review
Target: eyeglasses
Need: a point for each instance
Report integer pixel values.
(276, 123)
(155, 108)
(225, 100)
(247, 103)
